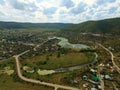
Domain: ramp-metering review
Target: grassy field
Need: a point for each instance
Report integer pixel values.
(7, 83)
(65, 78)
(12, 82)
(65, 60)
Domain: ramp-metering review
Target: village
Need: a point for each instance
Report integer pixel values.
(85, 62)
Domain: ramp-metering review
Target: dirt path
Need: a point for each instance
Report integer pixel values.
(112, 57)
(56, 86)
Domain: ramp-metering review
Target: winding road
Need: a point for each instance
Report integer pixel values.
(112, 57)
(56, 86)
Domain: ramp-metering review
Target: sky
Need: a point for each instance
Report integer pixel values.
(64, 11)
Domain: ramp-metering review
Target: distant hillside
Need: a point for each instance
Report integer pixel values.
(101, 26)
(17, 25)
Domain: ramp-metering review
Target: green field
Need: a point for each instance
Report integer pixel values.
(8, 83)
(53, 62)
(12, 82)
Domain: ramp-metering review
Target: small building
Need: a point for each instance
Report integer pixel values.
(99, 86)
(102, 64)
(95, 78)
(85, 77)
(107, 77)
(110, 48)
(93, 70)
(85, 85)
(102, 76)
(75, 81)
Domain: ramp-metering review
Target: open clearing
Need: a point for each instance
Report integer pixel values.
(65, 60)
(8, 83)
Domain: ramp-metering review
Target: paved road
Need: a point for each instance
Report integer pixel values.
(112, 57)
(56, 86)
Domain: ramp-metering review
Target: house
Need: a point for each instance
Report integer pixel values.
(110, 48)
(95, 78)
(75, 81)
(85, 85)
(85, 77)
(102, 64)
(93, 70)
(107, 77)
(102, 76)
(99, 86)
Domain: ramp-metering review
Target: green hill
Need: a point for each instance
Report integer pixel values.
(17, 25)
(101, 26)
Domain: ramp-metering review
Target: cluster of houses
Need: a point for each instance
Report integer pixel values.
(93, 77)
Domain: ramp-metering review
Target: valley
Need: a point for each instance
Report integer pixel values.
(59, 59)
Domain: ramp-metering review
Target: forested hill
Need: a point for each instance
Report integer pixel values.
(101, 26)
(17, 25)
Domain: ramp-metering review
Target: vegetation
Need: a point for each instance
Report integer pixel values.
(12, 82)
(55, 62)
(16, 38)
(65, 78)
(107, 26)
(8, 83)
(16, 25)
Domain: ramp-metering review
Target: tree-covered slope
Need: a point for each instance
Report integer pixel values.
(101, 26)
(17, 25)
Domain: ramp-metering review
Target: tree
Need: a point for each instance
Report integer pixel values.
(58, 54)
(47, 57)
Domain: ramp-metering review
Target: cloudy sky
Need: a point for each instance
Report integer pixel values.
(67, 11)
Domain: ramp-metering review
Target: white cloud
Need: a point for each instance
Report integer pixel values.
(73, 11)
(89, 2)
(39, 16)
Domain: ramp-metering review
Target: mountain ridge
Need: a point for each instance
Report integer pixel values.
(20, 25)
(111, 25)
(101, 26)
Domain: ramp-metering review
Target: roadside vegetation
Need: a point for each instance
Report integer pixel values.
(50, 56)
(12, 82)
(55, 62)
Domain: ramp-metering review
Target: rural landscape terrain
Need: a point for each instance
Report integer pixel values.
(60, 56)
